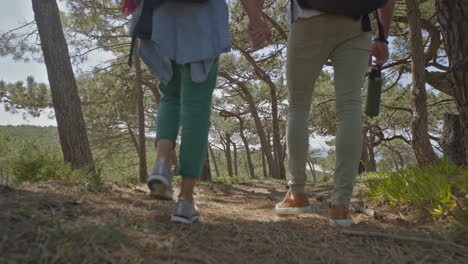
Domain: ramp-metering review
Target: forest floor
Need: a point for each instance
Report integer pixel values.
(54, 222)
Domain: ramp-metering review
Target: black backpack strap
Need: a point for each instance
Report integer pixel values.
(366, 23)
(381, 36)
(292, 11)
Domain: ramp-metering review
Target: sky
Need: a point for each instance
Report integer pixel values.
(13, 14)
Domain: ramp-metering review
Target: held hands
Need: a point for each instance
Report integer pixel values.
(380, 51)
(260, 33)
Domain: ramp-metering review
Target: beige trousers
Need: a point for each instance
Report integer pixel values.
(311, 43)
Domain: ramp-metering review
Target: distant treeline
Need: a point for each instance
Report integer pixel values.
(48, 135)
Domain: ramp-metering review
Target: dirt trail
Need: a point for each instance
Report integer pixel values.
(55, 223)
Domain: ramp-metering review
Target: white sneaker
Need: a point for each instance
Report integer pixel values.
(160, 181)
(185, 212)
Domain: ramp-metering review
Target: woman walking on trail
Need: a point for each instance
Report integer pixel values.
(182, 47)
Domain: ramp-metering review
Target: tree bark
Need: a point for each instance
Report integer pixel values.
(247, 148)
(206, 173)
(451, 139)
(264, 165)
(453, 20)
(65, 98)
(264, 142)
(141, 118)
(419, 126)
(277, 146)
(157, 95)
(132, 137)
(372, 166)
(228, 155)
(440, 81)
(236, 167)
(399, 161)
(213, 158)
(364, 162)
(312, 169)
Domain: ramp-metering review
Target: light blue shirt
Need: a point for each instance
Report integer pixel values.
(186, 33)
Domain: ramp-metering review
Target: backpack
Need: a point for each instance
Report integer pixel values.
(144, 25)
(344, 7)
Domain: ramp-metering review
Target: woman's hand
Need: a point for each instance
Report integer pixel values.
(260, 33)
(258, 30)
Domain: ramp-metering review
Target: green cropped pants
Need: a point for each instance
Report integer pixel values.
(187, 104)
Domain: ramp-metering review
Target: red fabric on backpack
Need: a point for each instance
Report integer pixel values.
(129, 6)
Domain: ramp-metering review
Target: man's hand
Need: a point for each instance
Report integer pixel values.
(258, 30)
(260, 33)
(379, 50)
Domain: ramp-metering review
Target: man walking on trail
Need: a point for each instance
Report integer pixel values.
(316, 36)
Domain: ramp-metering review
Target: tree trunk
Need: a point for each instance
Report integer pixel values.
(451, 139)
(264, 165)
(157, 95)
(284, 154)
(213, 158)
(247, 149)
(453, 20)
(276, 167)
(206, 173)
(419, 126)
(132, 137)
(399, 161)
(312, 169)
(228, 155)
(264, 142)
(236, 167)
(265, 145)
(277, 147)
(141, 117)
(364, 162)
(65, 98)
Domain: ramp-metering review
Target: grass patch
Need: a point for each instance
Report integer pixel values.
(436, 188)
(232, 180)
(90, 181)
(99, 235)
(92, 242)
(34, 165)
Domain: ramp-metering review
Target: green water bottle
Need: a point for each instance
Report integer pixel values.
(374, 91)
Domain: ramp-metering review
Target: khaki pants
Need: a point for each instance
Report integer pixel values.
(311, 43)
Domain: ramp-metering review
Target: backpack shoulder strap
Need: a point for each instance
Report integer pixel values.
(292, 11)
(381, 36)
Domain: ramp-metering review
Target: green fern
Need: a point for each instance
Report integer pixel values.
(431, 187)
